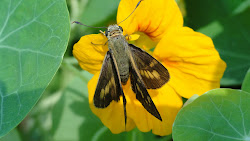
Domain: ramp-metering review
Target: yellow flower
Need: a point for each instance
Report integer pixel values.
(193, 63)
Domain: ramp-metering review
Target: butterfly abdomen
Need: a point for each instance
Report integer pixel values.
(118, 48)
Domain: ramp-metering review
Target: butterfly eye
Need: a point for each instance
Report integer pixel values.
(120, 28)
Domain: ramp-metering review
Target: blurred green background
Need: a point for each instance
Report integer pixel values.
(63, 114)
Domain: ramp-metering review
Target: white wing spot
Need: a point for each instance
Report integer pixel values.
(102, 94)
(150, 75)
(107, 89)
(148, 99)
(153, 63)
(142, 73)
(146, 74)
(156, 74)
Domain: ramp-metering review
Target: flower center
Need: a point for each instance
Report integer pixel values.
(144, 42)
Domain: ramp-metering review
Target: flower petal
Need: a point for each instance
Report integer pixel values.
(161, 16)
(166, 100)
(90, 51)
(193, 63)
(133, 37)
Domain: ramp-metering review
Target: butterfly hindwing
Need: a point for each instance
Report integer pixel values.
(140, 90)
(142, 94)
(153, 73)
(108, 87)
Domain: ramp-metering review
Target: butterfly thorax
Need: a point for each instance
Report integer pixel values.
(118, 46)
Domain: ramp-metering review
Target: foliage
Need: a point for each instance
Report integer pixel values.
(33, 42)
(220, 114)
(33, 39)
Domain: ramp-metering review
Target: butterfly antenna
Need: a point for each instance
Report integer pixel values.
(131, 12)
(86, 25)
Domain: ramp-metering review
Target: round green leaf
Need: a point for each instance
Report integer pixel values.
(191, 99)
(218, 115)
(246, 82)
(33, 39)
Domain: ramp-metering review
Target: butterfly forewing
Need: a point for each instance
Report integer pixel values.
(153, 73)
(108, 87)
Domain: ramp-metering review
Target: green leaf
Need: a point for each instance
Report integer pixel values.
(33, 39)
(92, 12)
(227, 23)
(218, 115)
(191, 99)
(246, 82)
(12, 136)
(97, 11)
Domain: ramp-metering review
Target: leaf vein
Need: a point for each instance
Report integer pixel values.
(217, 134)
(225, 118)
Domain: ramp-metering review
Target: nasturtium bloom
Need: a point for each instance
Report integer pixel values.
(193, 63)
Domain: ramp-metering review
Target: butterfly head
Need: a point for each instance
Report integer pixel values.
(113, 30)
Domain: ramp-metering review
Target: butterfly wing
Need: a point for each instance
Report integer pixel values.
(140, 90)
(142, 94)
(153, 73)
(109, 85)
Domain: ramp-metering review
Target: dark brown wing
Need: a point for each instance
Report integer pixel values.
(142, 94)
(109, 85)
(153, 73)
(140, 90)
